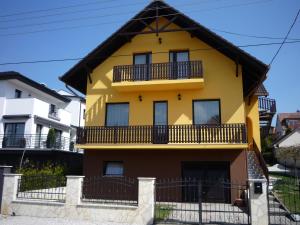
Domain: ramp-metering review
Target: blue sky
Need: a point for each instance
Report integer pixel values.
(93, 21)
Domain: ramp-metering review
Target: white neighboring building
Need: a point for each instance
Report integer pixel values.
(29, 109)
(77, 108)
(291, 139)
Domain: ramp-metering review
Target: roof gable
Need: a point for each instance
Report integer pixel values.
(254, 71)
(12, 75)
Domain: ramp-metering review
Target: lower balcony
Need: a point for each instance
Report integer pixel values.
(168, 136)
(33, 141)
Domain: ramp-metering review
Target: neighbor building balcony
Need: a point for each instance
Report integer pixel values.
(267, 105)
(35, 141)
(158, 76)
(35, 107)
(157, 136)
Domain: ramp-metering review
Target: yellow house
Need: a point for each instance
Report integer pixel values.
(166, 97)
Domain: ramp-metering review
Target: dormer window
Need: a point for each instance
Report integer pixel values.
(18, 93)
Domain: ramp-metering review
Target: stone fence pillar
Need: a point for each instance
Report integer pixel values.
(73, 190)
(3, 170)
(10, 188)
(146, 201)
(259, 201)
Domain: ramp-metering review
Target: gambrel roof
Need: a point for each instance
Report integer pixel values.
(254, 71)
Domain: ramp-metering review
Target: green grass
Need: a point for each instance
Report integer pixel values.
(162, 212)
(287, 190)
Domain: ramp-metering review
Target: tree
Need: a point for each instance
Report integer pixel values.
(51, 138)
(291, 152)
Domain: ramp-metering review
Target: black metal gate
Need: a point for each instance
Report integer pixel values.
(284, 200)
(194, 201)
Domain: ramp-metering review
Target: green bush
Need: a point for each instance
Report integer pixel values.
(47, 176)
(51, 138)
(267, 150)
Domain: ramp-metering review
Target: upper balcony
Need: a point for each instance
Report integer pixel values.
(158, 76)
(34, 141)
(37, 107)
(164, 136)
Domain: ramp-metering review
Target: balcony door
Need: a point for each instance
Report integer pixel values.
(14, 135)
(160, 122)
(180, 64)
(141, 70)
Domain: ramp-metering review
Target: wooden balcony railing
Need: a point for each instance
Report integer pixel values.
(158, 71)
(175, 134)
(267, 104)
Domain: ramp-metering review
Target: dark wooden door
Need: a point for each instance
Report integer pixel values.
(213, 178)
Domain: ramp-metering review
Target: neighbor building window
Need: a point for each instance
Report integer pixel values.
(14, 129)
(18, 93)
(113, 169)
(53, 110)
(206, 112)
(117, 114)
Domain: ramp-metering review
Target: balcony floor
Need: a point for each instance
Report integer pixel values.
(157, 85)
(173, 146)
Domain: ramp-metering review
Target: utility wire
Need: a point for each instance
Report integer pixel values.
(253, 36)
(56, 8)
(148, 9)
(286, 36)
(129, 55)
(70, 13)
(95, 9)
(80, 26)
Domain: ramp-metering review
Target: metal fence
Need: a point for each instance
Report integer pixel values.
(284, 199)
(194, 201)
(110, 190)
(43, 187)
(33, 141)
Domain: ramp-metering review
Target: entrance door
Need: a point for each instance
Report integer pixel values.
(160, 128)
(181, 65)
(213, 178)
(142, 63)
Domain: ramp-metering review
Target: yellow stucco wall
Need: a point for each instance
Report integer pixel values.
(252, 119)
(220, 82)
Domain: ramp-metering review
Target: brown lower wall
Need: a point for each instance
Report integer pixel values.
(165, 163)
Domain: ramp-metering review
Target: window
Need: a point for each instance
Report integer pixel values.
(83, 116)
(181, 66)
(179, 56)
(18, 93)
(14, 129)
(206, 112)
(113, 169)
(53, 110)
(160, 113)
(38, 132)
(117, 114)
(142, 68)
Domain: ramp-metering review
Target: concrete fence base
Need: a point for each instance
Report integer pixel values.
(259, 202)
(74, 208)
(142, 214)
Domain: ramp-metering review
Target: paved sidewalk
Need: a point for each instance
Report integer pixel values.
(24, 220)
